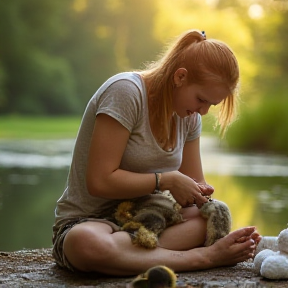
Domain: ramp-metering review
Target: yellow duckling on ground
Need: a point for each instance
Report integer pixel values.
(155, 277)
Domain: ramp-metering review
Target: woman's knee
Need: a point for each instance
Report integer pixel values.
(86, 245)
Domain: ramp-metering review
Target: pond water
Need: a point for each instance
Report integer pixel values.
(33, 176)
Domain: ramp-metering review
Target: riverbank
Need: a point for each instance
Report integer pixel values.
(36, 268)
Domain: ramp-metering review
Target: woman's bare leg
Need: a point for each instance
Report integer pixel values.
(92, 246)
(189, 239)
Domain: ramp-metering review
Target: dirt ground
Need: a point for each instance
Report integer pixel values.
(36, 268)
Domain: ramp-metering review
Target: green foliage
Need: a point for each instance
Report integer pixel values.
(45, 86)
(55, 54)
(2, 86)
(263, 123)
(263, 128)
(37, 81)
(53, 90)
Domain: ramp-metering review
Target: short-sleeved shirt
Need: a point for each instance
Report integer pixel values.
(124, 98)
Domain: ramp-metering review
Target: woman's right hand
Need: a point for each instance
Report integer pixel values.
(206, 189)
(184, 189)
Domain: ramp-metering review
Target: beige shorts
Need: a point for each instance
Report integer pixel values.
(61, 231)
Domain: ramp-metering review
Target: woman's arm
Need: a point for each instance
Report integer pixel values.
(191, 161)
(191, 168)
(103, 176)
(105, 179)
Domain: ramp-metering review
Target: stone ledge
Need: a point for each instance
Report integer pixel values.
(36, 268)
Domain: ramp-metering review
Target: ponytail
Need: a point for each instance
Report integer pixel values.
(208, 62)
(160, 77)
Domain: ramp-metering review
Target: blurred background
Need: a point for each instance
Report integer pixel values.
(55, 54)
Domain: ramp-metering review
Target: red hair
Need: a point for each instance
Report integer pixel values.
(208, 62)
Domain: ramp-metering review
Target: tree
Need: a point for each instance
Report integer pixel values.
(264, 125)
(57, 53)
(31, 69)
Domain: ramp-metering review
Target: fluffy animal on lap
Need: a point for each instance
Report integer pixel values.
(145, 218)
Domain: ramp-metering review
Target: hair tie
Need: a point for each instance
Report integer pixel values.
(203, 34)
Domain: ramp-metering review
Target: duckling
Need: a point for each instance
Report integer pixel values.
(218, 218)
(155, 277)
(145, 218)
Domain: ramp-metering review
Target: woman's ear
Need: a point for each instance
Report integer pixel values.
(180, 76)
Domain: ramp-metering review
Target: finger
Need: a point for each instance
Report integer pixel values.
(202, 187)
(200, 201)
(206, 189)
(182, 201)
(190, 202)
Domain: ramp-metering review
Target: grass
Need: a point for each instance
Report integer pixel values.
(21, 127)
(41, 127)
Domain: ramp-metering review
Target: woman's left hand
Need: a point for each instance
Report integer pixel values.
(206, 189)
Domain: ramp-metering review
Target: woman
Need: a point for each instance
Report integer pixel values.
(140, 132)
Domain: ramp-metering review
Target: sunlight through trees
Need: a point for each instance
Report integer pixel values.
(55, 54)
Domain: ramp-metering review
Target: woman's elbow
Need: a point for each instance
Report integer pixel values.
(95, 186)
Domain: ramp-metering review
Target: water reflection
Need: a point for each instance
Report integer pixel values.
(27, 197)
(33, 175)
(216, 160)
(36, 153)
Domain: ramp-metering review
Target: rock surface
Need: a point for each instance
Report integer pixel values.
(36, 268)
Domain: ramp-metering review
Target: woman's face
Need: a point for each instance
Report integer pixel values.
(188, 99)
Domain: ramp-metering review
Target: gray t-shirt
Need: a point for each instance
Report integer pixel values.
(124, 98)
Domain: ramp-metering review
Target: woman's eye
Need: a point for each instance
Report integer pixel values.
(201, 100)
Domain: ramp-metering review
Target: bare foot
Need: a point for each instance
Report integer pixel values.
(256, 237)
(236, 247)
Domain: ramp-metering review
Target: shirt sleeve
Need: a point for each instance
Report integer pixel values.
(195, 127)
(122, 101)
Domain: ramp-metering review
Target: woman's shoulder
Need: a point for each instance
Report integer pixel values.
(125, 83)
(125, 77)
